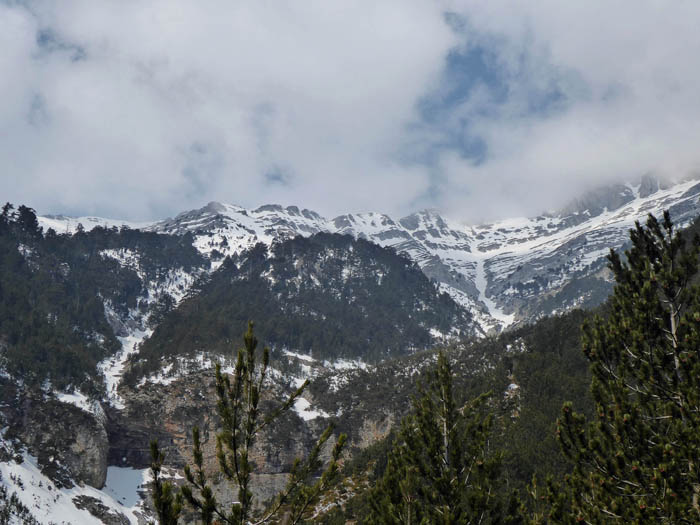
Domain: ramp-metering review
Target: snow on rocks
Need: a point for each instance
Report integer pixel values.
(301, 357)
(80, 400)
(181, 366)
(346, 364)
(113, 367)
(489, 268)
(50, 504)
(481, 283)
(302, 407)
(63, 224)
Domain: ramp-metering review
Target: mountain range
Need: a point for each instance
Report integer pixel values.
(109, 330)
(510, 271)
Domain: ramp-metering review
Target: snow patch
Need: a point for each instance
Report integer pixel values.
(113, 367)
(481, 283)
(80, 400)
(346, 364)
(62, 224)
(123, 485)
(303, 409)
(299, 356)
(182, 366)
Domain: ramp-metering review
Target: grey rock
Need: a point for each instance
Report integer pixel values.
(70, 444)
(102, 512)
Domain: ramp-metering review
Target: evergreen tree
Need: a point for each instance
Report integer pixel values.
(166, 500)
(440, 469)
(27, 221)
(242, 420)
(638, 461)
(6, 214)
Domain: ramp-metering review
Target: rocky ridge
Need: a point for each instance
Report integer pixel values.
(510, 271)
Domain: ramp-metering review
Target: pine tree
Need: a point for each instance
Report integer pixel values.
(242, 420)
(27, 221)
(638, 461)
(6, 215)
(166, 500)
(440, 469)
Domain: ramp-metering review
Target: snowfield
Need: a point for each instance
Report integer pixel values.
(50, 504)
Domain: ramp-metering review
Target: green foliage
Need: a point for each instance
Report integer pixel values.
(328, 295)
(545, 359)
(53, 289)
(242, 420)
(302, 492)
(167, 502)
(441, 469)
(637, 460)
(51, 327)
(547, 363)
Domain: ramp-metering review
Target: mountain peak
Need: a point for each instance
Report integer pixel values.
(275, 208)
(594, 202)
(214, 207)
(428, 219)
(506, 265)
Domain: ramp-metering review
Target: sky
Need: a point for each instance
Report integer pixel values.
(139, 110)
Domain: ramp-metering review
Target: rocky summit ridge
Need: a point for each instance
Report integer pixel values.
(509, 271)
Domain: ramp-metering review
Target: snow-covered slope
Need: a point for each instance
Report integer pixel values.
(514, 269)
(533, 266)
(64, 224)
(508, 271)
(119, 501)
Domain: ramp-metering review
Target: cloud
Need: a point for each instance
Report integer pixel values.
(144, 109)
(596, 92)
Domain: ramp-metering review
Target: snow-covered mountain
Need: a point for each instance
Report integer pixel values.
(511, 270)
(508, 271)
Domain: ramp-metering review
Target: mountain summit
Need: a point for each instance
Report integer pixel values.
(509, 271)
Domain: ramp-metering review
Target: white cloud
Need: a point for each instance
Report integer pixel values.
(626, 70)
(178, 102)
(173, 103)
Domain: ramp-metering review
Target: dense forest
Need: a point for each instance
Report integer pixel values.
(329, 296)
(53, 291)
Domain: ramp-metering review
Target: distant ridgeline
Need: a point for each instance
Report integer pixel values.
(53, 291)
(328, 295)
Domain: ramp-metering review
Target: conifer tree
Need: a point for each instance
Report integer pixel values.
(242, 420)
(27, 221)
(166, 500)
(638, 461)
(6, 213)
(440, 469)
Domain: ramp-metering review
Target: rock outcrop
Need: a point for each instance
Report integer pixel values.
(70, 443)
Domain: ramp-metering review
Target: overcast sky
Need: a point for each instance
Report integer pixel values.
(485, 109)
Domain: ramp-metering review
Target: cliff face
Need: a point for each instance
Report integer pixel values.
(71, 445)
(168, 412)
(364, 402)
